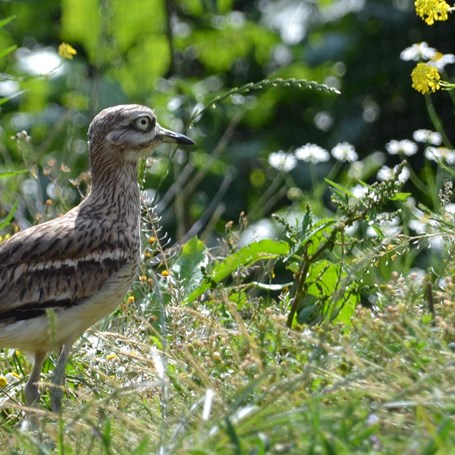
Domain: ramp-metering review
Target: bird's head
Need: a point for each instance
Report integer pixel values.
(132, 130)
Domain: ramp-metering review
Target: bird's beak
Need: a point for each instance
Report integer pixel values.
(170, 137)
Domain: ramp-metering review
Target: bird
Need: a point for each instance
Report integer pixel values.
(60, 277)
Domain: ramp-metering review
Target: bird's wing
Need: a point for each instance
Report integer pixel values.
(58, 264)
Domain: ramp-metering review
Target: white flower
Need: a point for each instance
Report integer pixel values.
(388, 227)
(441, 60)
(344, 152)
(404, 175)
(427, 137)
(440, 154)
(449, 209)
(359, 191)
(386, 173)
(418, 226)
(422, 51)
(422, 224)
(282, 161)
(352, 229)
(312, 153)
(436, 242)
(405, 146)
(416, 52)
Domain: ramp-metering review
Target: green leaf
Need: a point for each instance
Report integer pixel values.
(234, 438)
(326, 274)
(346, 311)
(248, 255)
(7, 51)
(244, 257)
(339, 188)
(188, 265)
(7, 20)
(7, 220)
(402, 197)
(5, 174)
(8, 98)
(318, 234)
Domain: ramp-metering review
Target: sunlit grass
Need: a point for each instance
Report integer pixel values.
(224, 382)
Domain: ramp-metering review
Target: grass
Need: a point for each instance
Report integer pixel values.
(207, 378)
(212, 353)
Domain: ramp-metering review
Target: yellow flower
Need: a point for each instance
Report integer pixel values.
(165, 273)
(65, 50)
(3, 382)
(5, 237)
(131, 299)
(425, 78)
(432, 10)
(111, 356)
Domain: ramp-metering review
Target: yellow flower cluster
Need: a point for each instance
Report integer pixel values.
(112, 356)
(65, 50)
(425, 78)
(432, 10)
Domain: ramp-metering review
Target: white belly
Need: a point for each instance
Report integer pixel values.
(41, 334)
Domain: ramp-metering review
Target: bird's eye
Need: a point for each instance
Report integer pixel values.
(144, 123)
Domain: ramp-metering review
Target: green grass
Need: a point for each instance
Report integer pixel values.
(318, 342)
(383, 384)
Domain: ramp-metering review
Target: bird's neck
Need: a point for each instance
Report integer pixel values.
(115, 190)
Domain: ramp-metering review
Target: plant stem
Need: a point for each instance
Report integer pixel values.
(437, 121)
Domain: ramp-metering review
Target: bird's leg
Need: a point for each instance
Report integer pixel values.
(56, 391)
(31, 391)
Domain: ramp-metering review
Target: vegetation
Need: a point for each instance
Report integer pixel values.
(290, 299)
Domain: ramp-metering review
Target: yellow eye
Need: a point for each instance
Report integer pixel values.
(144, 123)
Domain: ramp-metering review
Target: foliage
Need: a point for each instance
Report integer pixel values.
(321, 321)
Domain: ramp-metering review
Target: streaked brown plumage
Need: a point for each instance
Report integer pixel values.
(80, 265)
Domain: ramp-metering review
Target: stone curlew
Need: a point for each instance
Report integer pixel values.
(60, 277)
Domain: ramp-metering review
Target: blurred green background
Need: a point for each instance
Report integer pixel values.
(178, 55)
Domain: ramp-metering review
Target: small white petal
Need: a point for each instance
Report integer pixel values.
(359, 191)
(344, 152)
(441, 60)
(312, 153)
(404, 146)
(427, 136)
(419, 51)
(385, 173)
(282, 161)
